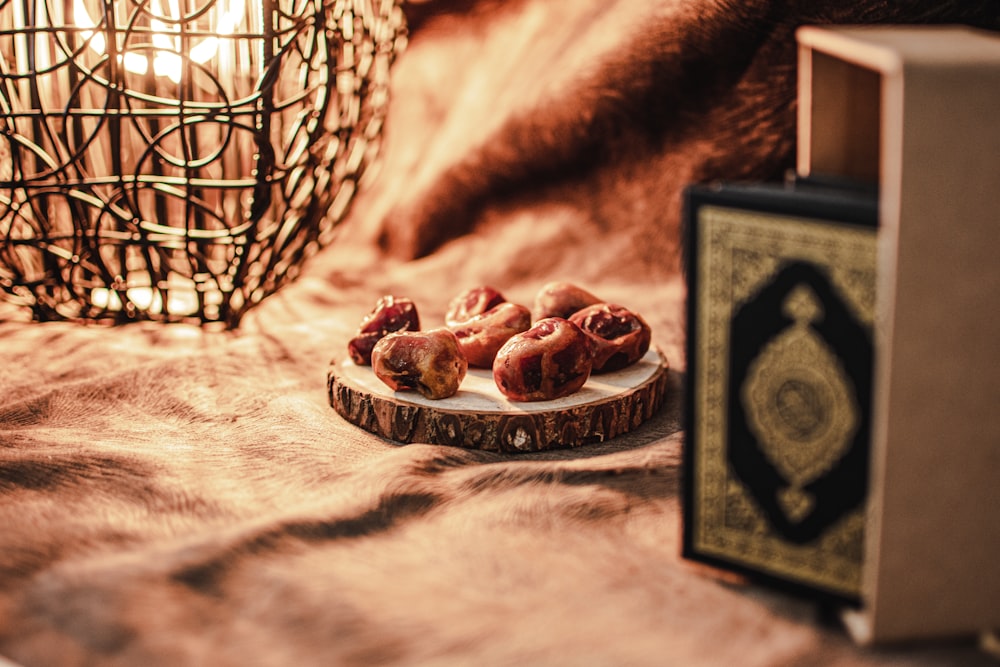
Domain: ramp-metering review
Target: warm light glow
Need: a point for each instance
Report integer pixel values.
(181, 300)
(142, 297)
(167, 61)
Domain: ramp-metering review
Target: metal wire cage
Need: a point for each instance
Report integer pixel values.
(178, 160)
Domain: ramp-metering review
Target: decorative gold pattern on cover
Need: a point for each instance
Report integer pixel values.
(799, 403)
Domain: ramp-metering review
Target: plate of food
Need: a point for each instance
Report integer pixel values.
(571, 371)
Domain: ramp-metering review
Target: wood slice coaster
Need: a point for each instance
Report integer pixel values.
(480, 417)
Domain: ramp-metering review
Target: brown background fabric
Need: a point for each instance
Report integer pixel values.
(175, 496)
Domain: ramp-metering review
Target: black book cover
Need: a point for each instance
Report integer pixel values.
(781, 302)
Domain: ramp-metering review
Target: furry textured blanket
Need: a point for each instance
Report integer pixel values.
(170, 496)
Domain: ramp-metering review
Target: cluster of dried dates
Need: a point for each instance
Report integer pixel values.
(540, 354)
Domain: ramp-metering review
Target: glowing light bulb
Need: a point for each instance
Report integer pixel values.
(167, 59)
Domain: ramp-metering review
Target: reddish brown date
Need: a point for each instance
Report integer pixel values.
(470, 303)
(482, 336)
(430, 362)
(391, 313)
(619, 337)
(550, 360)
(561, 299)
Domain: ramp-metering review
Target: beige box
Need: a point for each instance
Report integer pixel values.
(918, 110)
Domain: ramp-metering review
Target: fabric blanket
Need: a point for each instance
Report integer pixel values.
(174, 496)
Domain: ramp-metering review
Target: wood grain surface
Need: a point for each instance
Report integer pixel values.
(480, 417)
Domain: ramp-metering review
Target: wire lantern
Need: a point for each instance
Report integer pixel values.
(178, 160)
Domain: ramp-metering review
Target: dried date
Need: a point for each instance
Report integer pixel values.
(430, 362)
(482, 336)
(619, 337)
(561, 299)
(390, 313)
(550, 360)
(472, 302)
